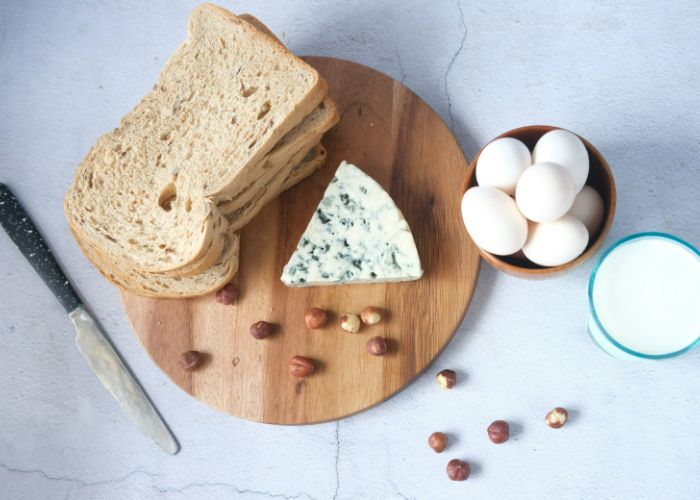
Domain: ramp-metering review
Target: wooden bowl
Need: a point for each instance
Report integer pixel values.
(599, 177)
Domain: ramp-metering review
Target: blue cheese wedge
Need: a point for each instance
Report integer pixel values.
(356, 235)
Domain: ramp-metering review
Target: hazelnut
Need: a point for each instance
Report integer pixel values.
(315, 318)
(371, 315)
(227, 295)
(190, 360)
(301, 367)
(499, 431)
(376, 346)
(458, 470)
(438, 441)
(557, 417)
(261, 330)
(350, 322)
(446, 378)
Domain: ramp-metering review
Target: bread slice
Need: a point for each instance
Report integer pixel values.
(314, 160)
(302, 164)
(247, 200)
(220, 273)
(260, 26)
(158, 285)
(240, 206)
(301, 137)
(250, 199)
(172, 287)
(292, 148)
(146, 194)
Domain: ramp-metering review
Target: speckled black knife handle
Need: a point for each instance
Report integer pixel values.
(23, 232)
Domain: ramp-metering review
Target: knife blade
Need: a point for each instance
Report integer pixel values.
(92, 343)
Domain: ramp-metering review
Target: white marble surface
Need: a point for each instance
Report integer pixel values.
(626, 77)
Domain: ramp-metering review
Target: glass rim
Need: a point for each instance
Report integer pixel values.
(591, 284)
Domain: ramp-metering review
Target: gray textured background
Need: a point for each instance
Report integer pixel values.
(625, 77)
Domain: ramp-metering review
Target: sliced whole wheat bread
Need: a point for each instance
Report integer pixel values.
(213, 278)
(245, 204)
(314, 160)
(241, 206)
(164, 286)
(302, 137)
(146, 194)
(247, 212)
(260, 26)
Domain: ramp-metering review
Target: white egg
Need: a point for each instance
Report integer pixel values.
(566, 149)
(501, 162)
(557, 242)
(493, 220)
(588, 208)
(545, 192)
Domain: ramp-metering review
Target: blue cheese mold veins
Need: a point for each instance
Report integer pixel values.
(356, 235)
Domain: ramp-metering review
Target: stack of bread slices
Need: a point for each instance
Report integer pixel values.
(234, 120)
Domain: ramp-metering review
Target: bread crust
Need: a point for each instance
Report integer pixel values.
(194, 242)
(169, 287)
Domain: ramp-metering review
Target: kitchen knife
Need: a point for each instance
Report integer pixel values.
(91, 341)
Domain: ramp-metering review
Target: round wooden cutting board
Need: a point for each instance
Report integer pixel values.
(391, 134)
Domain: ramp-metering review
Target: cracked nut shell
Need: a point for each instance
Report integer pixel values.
(315, 318)
(301, 367)
(499, 431)
(376, 346)
(190, 360)
(557, 417)
(446, 379)
(261, 330)
(350, 322)
(371, 315)
(438, 441)
(458, 470)
(227, 295)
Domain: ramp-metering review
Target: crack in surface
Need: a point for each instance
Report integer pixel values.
(152, 477)
(235, 488)
(73, 480)
(398, 492)
(452, 62)
(402, 71)
(337, 458)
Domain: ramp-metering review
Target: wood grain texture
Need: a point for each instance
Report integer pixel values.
(398, 140)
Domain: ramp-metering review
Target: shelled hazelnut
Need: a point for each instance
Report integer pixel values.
(227, 295)
(376, 346)
(261, 329)
(457, 470)
(350, 322)
(438, 441)
(557, 417)
(499, 431)
(190, 360)
(301, 367)
(446, 379)
(315, 318)
(371, 315)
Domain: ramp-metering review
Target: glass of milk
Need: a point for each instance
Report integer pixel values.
(644, 297)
